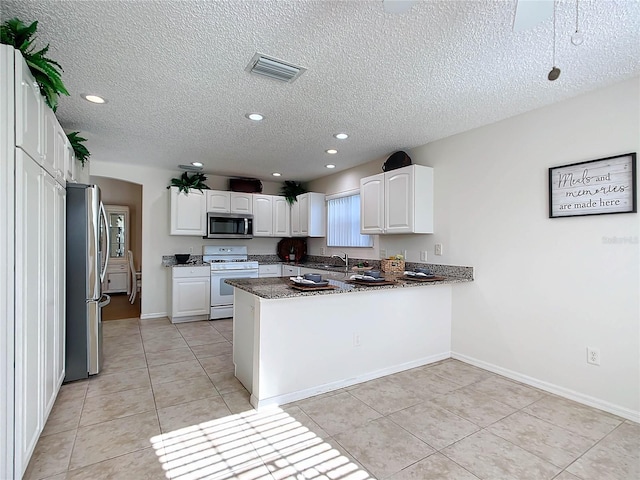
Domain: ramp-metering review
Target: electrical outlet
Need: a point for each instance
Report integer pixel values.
(383, 253)
(190, 249)
(593, 356)
(323, 250)
(423, 256)
(356, 340)
(404, 254)
(438, 249)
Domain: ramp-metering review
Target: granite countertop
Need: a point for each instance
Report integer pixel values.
(272, 288)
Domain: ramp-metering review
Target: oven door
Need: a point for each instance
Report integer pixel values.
(222, 293)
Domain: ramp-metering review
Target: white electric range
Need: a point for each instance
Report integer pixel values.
(226, 262)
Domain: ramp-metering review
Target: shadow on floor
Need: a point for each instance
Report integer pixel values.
(120, 308)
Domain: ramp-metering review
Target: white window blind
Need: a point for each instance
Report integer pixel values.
(343, 223)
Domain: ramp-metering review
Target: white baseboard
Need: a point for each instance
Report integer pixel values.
(328, 387)
(551, 388)
(145, 316)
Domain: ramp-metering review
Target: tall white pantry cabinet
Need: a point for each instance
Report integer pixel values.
(36, 163)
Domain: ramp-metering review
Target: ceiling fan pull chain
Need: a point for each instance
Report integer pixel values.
(555, 71)
(577, 38)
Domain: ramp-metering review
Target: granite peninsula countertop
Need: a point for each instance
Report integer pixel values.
(273, 288)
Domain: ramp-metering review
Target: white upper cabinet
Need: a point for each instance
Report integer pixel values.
(281, 217)
(218, 201)
(241, 203)
(263, 215)
(70, 163)
(399, 201)
(188, 212)
(308, 215)
(61, 152)
(229, 202)
(271, 214)
(372, 204)
(28, 115)
(48, 138)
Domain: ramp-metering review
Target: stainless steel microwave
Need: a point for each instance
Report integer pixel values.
(229, 225)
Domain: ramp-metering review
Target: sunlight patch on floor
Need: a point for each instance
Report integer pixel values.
(265, 445)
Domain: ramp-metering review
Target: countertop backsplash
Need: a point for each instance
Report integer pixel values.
(170, 261)
(315, 260)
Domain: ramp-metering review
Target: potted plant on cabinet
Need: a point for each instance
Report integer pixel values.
(186, 182)
(45, 71)
(82, 154)
(290, 190)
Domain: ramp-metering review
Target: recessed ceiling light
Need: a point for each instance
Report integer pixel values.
(93, 98)
(276, 174)
(256, 117)
(196, 164)
(341, 136)
(330, 165)
(332, 151)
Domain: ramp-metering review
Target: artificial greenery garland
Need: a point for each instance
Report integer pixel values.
(18, 35)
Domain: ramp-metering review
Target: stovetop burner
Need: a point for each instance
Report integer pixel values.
(228, 258)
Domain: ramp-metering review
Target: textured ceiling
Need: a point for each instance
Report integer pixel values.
(174, 75)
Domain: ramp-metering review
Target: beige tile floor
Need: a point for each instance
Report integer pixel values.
(168, 406)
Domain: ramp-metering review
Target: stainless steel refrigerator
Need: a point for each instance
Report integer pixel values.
(87, 258)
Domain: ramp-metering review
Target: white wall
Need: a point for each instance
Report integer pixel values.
(155, 228)
(544, 289)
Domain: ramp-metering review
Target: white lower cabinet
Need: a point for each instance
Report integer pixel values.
(32, 267)
(290, 271)
(29, 355)
(190, 293)
(40, 325)
(116, 280)
(273, 270)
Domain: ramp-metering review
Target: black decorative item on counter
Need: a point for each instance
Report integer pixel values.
(182, 258)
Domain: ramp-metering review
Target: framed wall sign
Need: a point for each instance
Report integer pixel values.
(596, 187)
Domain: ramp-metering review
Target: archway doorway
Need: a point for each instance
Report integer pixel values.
(123, 203)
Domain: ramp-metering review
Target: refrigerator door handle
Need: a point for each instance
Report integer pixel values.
(106, 233)
(105, 302)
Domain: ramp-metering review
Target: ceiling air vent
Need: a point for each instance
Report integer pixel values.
(273, 68)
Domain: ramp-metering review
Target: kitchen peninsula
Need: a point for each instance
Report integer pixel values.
(290, 344)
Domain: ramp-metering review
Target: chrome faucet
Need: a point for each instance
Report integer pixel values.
(345, 259)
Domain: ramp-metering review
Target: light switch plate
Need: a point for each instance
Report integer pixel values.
(438, 249)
